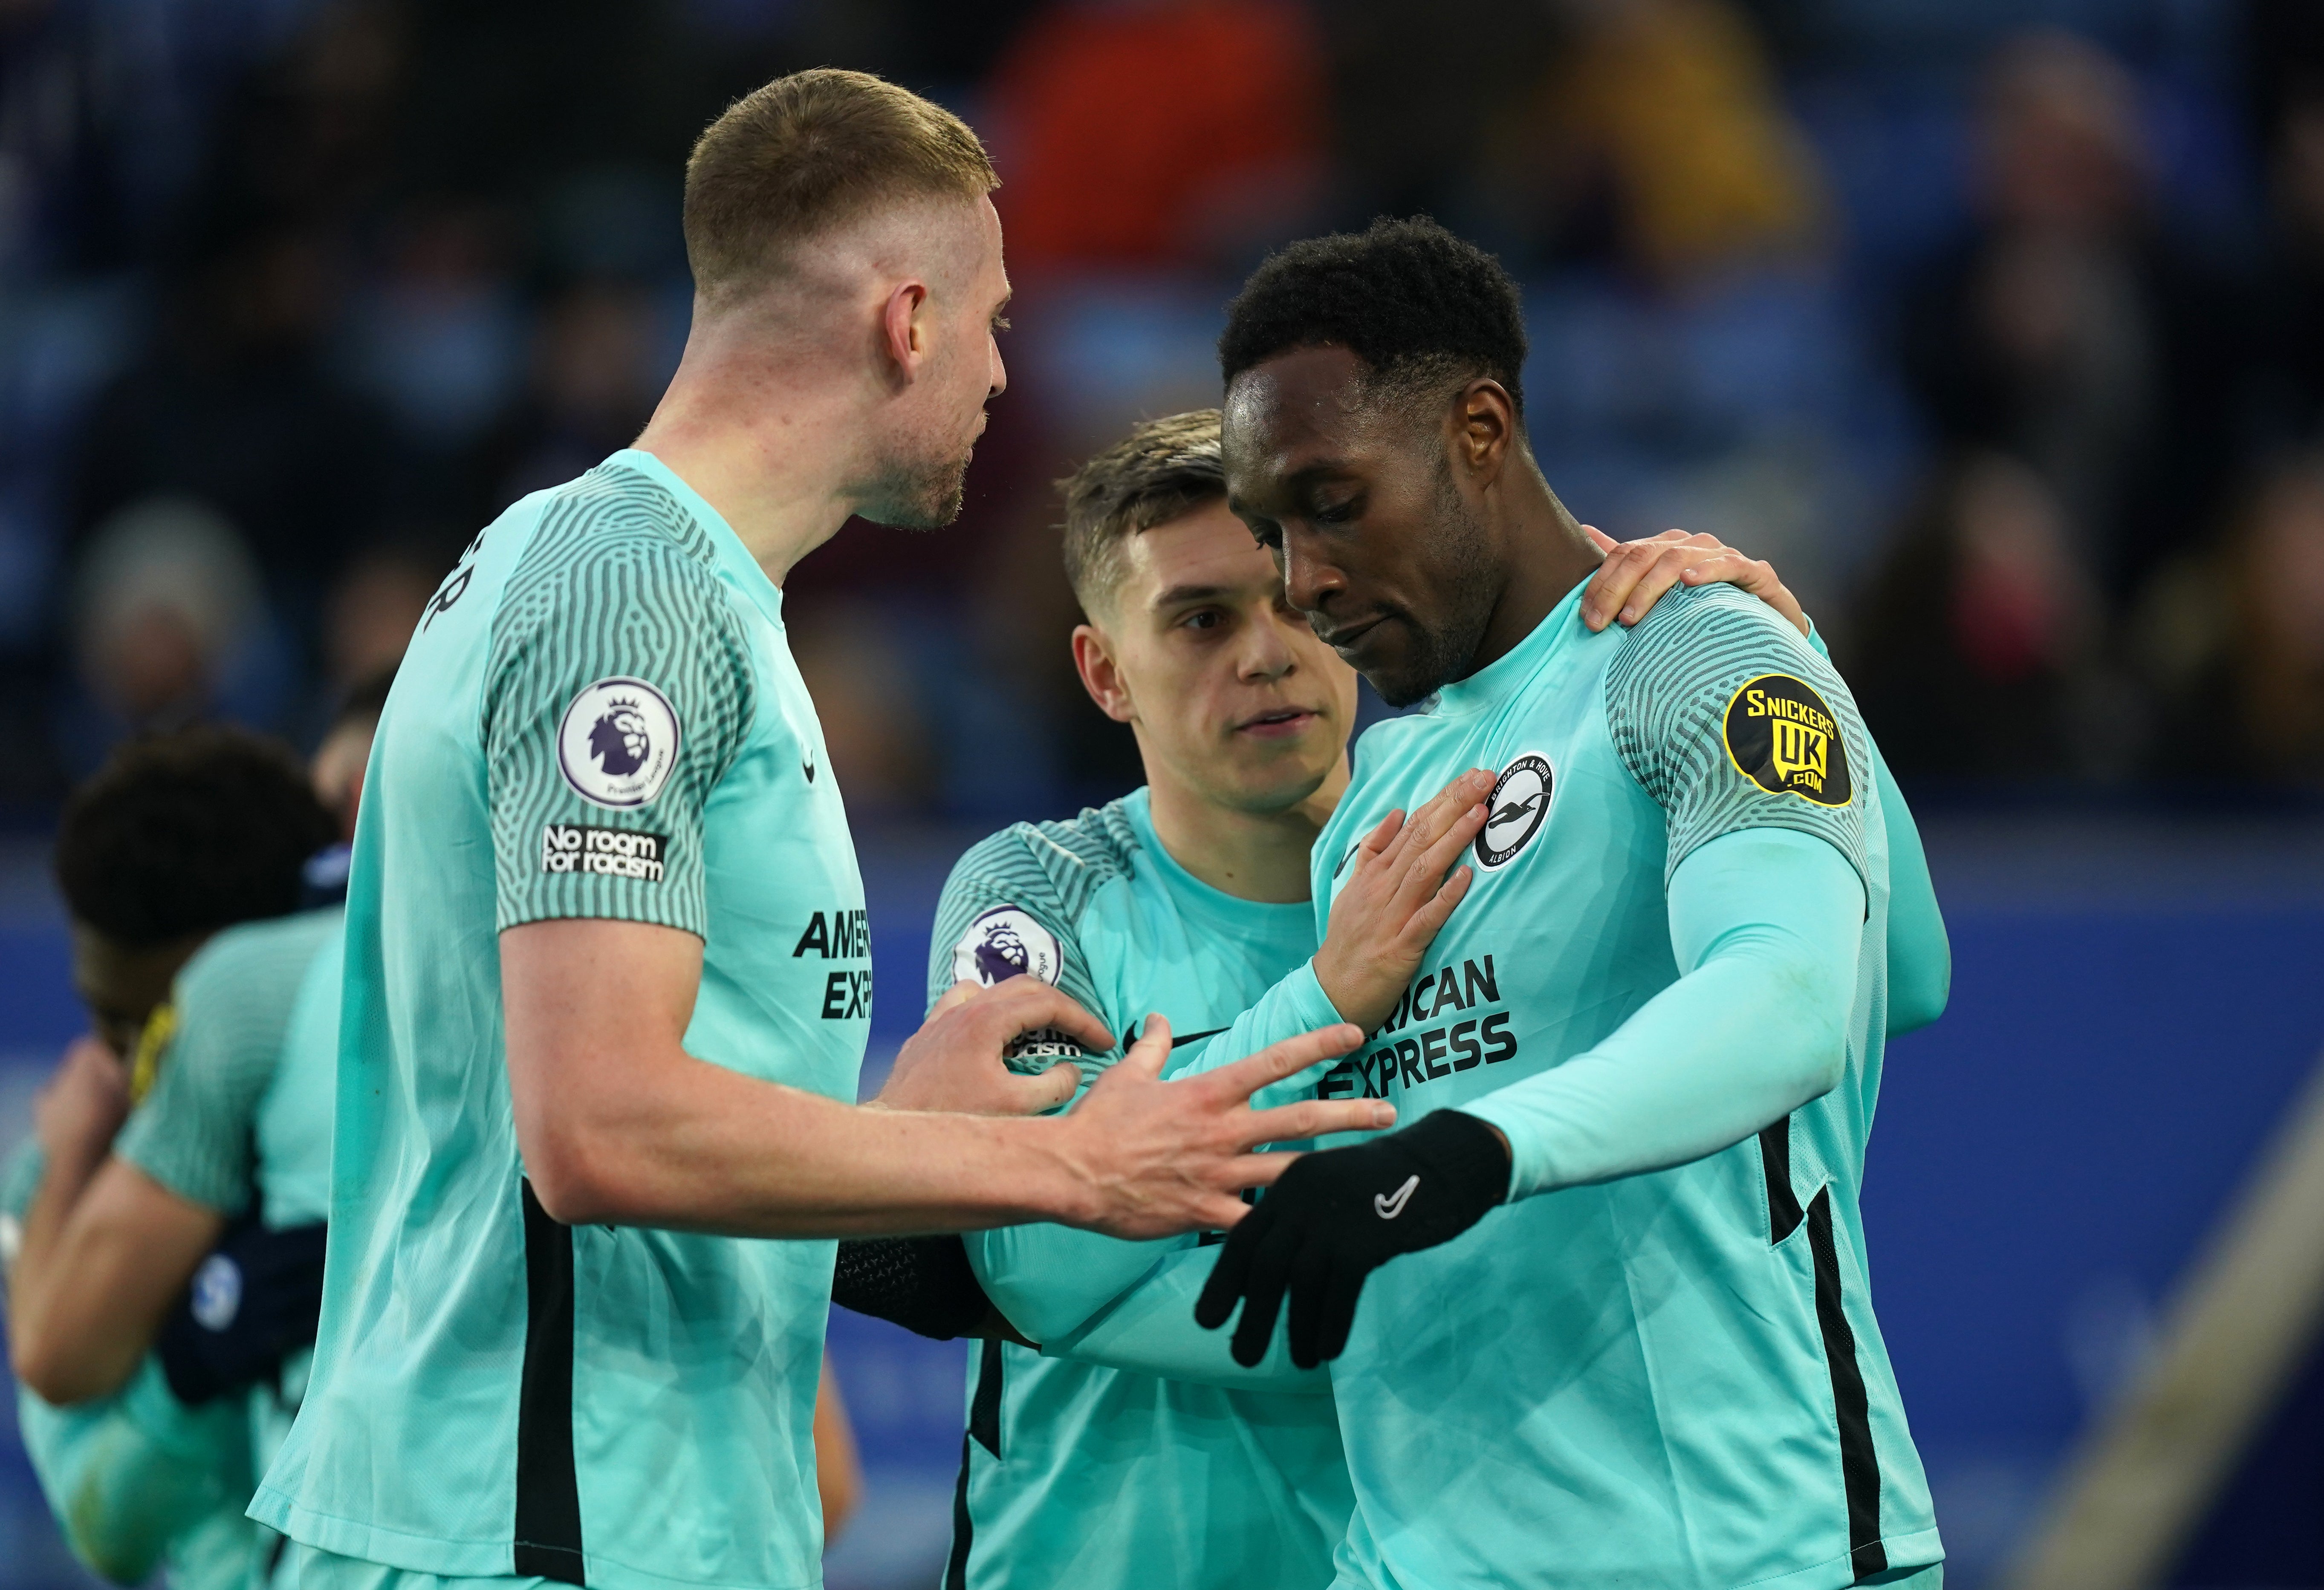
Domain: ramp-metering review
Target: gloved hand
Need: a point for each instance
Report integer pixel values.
(1337, 1216)
(254, 1302)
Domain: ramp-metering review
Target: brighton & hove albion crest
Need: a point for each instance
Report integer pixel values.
(1782, 736)
(618, 743)
(1520, 804)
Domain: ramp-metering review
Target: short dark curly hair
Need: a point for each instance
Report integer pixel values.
(187, 832)
(1422, 308)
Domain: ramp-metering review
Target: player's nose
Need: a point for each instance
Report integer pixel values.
(1264, 653)
(1309, 582)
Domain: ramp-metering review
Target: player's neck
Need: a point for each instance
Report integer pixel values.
(772, 444)
(1256, 856)
(1548, 556)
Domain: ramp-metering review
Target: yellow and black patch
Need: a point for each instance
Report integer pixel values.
(152, 1044)
(1782, 737)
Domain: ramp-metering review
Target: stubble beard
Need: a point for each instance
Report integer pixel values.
(919, 494)
(1443, 652)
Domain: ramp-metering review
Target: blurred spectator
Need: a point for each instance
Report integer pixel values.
(373, 611)
(309, 137)
(2287, 70)
(855, 662)
(1698, 364)
(2070, 329)
(1656, 136)
(438, 335)
(1158, 132)
(594, 378)
(168, 596)
(1413, 93)
(2237, 641)
(1979, 649)
(234, 404)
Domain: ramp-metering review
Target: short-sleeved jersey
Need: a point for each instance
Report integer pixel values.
(598, 717)
(292, 1128)
(237, 1106)
(228, 1063)
(1072, 1473)
(1675, 1378)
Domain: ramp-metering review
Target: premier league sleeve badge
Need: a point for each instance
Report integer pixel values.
(617, 743)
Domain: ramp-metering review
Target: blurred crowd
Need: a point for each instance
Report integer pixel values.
(1999, 327)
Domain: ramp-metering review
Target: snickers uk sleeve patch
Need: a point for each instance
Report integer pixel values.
(1729, 722)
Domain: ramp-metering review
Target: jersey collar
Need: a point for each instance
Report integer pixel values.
(1498, 680)
(1231, 910)
(732, 556)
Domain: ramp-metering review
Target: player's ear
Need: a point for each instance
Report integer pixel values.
(1101, 675)
(1484, 423)
(904, 329)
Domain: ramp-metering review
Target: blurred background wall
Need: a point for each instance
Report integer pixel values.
(1998, 325)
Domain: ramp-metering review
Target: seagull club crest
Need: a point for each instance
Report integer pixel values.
(1518, 807)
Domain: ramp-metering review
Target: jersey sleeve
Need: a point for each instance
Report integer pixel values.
(1150, 1329)
(618, 691)
(1766, 927)
(131, 1475)
(1002, 915)
(1730, 721)
(1919, 955)
(194, 1132)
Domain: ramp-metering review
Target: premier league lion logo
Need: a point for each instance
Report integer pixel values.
(620, 740)
(1006, 943)
(1001, 954)
(617, 742)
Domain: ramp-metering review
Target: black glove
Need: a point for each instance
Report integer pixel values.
(253, 1302)
(923, 1283)
(1335, 1216)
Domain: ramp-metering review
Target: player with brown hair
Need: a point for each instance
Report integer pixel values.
(607, 981)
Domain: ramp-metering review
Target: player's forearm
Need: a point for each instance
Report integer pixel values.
(101, 1288)
(38, 1350)
(702, 1148)
(1296, 1004)
(1050, 1281)
(1767, 922)
(1150, 1329)
(1920, 956)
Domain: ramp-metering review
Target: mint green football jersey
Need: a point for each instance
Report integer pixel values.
(241, 1105)
(292, 1130)
(598, 717)
(139, 1480)
(1672, 1378)
(240, 1119)
(1096, 1477)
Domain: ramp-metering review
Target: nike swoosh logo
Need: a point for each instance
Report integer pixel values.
(1177, 1040)
(1390, 1207)
(806, 765)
